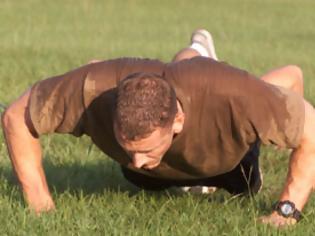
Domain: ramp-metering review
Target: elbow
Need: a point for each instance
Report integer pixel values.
(15, 120)
(7, 118)
(12, 118)
(16, 117)
(4, 119)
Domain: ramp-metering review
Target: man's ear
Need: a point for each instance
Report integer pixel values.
(178, 123)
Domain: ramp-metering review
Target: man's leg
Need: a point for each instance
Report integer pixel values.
(244, 178)
(201, 45)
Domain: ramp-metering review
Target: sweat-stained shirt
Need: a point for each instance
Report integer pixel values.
(226, 111)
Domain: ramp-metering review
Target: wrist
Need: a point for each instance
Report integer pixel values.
(288, 210)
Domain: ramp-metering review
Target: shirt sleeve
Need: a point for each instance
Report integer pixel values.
(289, 132)
(56, 104)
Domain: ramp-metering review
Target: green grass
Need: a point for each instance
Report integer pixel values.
(44, 38)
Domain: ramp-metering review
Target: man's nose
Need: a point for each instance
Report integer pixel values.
(138, 160)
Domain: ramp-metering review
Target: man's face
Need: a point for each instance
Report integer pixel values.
(147, 153)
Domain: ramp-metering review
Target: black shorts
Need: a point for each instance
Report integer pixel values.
(243, 178)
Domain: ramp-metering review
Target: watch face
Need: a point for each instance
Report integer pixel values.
(286, 209)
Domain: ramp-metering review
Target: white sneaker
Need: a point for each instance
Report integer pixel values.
(199, 189)
(203, 37)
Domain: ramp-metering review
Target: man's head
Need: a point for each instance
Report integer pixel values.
(146, 118)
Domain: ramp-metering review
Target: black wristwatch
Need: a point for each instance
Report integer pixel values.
(287, 209)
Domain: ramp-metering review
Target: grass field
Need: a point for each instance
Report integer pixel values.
(44, 38)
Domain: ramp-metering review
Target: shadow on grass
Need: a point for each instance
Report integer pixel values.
(97, 177)
(87, 178)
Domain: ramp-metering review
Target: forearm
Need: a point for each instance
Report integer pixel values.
(25, 156)
(301, 177)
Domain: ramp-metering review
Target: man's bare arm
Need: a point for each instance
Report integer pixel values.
(25, 154)
(301, 176)
(289, 77)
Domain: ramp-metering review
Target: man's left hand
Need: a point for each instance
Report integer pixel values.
(277, 220)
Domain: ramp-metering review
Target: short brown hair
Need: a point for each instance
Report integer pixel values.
(145, 101)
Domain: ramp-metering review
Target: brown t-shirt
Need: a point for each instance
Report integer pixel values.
(226, 111)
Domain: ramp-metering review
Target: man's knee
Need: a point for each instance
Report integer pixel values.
(186, 53)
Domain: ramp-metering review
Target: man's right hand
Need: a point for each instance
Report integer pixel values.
(25, 154)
